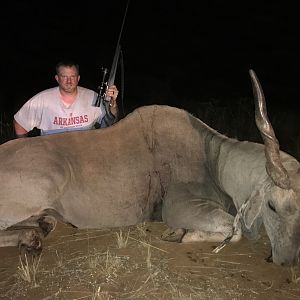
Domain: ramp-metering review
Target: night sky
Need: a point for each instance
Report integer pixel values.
(174, 52)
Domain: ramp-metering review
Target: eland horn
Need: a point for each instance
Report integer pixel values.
(274, 166)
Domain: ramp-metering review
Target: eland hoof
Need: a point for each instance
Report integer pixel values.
(269, 259)
(173, 235)
(30, 243)
(47, 224)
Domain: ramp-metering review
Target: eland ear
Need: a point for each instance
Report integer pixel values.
(252, 211)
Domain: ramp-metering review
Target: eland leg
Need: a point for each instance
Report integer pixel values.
(27, 240)
(193, 216)
(29, 233)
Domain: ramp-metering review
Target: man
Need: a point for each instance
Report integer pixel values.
(67, 107)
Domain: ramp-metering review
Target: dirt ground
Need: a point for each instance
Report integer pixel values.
(134, 263)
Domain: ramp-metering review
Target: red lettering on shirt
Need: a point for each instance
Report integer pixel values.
(65, 122)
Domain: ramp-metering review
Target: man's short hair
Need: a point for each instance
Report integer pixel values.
(66, 63)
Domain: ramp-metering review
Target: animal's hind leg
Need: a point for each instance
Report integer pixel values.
(193, 216)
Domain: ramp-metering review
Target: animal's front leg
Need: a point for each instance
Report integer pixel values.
(182, 235)
(173, 235)
(195, 216)
(208, 236)
(27, 235)
(27, 240)
(46, 223)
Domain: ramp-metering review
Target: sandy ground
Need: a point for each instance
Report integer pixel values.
(134, 263)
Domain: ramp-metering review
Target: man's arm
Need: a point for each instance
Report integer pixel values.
(19, 130)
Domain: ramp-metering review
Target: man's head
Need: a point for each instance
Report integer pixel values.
(67, 76)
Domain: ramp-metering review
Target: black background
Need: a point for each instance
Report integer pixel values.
(174, 52)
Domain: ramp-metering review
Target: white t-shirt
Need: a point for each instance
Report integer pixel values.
(47, 112)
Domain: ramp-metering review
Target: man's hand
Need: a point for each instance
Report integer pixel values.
(19, 130)
(113, 92)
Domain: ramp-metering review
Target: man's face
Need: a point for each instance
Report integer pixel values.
(67, 79)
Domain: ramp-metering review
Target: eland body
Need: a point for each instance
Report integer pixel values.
(210, 186)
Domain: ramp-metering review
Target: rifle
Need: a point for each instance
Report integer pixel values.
(102, 98)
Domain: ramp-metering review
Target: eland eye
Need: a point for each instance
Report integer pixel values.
(271, 206)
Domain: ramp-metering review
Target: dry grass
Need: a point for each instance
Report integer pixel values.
(27, 270)
(59, 259)
(92, 267)
(101, 295)
(295, 279)
(148, 258)
(122, 239)
(141, 230)
(111, 264)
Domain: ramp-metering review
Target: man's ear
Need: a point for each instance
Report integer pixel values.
(56, 77)
(253, 209)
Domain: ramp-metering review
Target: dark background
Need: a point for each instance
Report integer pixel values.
(180, 53)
